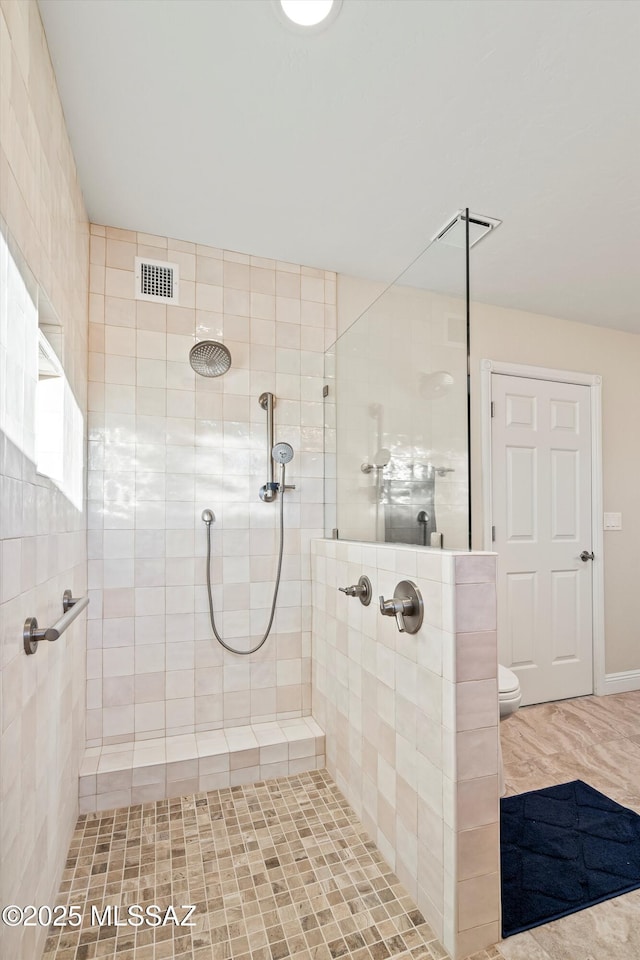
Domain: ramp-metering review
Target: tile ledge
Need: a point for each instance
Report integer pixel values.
(176, 749)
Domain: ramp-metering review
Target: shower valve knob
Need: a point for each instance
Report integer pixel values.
(406, 606)
(397, 608)
(361, 590)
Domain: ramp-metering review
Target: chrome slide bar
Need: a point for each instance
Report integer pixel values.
(268, 492)
(31, 634)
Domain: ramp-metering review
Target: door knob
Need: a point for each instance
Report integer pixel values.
(585, 555)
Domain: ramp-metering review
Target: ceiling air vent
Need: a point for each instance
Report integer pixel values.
(454, 233)
(156, 280)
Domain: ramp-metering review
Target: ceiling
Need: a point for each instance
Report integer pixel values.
(347, 149)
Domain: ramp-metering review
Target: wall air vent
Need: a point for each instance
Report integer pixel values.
(157, 280)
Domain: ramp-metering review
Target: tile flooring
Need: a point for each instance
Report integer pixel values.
(277, 869)
(595, 739)
(283, 868)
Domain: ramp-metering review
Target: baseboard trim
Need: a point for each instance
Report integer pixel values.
(621, 682)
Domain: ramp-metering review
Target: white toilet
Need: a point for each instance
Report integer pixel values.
(509, 695)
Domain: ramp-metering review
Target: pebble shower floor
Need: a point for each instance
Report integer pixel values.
(278, 869)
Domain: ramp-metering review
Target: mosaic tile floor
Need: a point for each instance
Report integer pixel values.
(279, 869)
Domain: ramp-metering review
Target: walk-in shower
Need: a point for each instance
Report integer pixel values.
(209, 358)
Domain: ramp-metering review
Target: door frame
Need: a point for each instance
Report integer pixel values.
(594, 382)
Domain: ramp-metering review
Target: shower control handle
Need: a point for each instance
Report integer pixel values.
(396, 608)
(362, 590)
(586, 555)
(406, 606)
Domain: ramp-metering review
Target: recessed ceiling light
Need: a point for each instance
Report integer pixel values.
(309, 13)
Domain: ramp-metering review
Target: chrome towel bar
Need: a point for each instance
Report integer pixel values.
(31, 634)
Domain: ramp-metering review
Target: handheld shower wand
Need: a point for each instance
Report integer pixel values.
(282, 453)
(210, 358)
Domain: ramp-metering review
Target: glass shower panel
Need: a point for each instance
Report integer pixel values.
(399, 430)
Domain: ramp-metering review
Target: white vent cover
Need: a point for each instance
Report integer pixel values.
(454, 233)
(157, 280)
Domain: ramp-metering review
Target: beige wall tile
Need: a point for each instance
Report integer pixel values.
(478, 851)
(478, 900)
(476, 656)
(475, 569)
(477, 753)
(481, 937)
(183, 443)
(477, 802)
(475, 607)
(476, 704)
(44, 225)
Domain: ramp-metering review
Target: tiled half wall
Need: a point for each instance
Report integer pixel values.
(411, 724)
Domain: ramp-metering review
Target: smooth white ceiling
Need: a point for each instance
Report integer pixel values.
(347, 149)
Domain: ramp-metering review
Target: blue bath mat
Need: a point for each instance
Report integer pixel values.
(563, 849)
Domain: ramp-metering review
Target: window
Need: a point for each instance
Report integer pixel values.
(39, 414)
(49, 413)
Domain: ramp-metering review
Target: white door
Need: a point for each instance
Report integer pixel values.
(541, 509)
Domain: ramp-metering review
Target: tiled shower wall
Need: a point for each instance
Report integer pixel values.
(411, 724)
(163, 445)
(43, 252)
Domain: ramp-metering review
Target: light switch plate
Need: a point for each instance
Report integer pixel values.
(613, 521)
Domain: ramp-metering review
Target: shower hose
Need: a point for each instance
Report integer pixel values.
(245, 653)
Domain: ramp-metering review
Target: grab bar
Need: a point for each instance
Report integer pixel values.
(31, 634)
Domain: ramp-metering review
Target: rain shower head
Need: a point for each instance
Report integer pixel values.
(209, 358)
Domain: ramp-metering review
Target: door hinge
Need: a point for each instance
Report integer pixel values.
(493, 534)
(325, 390)
(493, 409)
